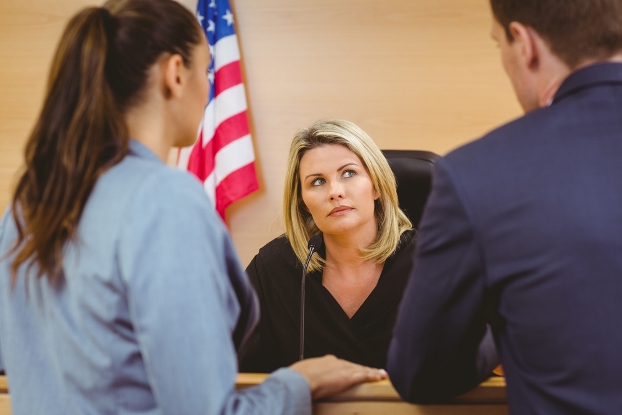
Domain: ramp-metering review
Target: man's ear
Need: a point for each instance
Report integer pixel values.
(173, 76)
(527, 45)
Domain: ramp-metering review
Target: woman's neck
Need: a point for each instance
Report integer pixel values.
(348, 277)
(147, 123)
(343, 250)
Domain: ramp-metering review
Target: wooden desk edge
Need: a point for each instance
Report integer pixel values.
(491, 391)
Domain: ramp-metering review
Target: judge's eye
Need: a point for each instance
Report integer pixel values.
(349, 173)
(318, 182)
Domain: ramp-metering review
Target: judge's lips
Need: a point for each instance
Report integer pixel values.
(339, 210)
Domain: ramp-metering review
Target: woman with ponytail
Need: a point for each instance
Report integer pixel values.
(120, 290)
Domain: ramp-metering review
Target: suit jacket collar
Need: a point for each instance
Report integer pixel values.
(597, 74)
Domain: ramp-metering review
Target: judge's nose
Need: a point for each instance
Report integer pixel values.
(336, 191)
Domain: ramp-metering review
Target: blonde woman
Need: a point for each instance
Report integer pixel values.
(338, 185)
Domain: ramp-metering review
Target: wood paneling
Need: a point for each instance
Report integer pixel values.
(414, 74)
(419, 74)
(378, 398)
(29, 32)
(5, 404)
(491, 391)
(381, 398)
(5, 400)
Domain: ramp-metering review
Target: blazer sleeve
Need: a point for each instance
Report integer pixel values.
(259, 354)
(439, 347)
(176, 260)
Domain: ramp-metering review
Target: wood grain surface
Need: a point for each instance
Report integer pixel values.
(374, 398)
(381, 398)
(414, 74)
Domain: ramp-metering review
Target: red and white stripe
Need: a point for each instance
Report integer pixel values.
(223, 157)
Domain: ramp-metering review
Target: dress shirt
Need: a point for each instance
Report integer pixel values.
(144, 320)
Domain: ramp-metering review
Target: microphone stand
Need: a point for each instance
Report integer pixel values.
(314, 243)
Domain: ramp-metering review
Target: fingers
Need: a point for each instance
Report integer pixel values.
(348, 375)
(366, 374)
(329, 375)
(376, 374)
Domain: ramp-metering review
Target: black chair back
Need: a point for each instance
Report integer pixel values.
(413, 172)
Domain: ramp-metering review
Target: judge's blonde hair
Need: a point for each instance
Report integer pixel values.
(299, 224)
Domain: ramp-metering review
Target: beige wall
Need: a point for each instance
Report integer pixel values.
(415, 74)
(28, 34)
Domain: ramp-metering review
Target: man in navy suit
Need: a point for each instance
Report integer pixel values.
(523, 228)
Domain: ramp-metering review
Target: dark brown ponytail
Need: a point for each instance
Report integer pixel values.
(99, 70)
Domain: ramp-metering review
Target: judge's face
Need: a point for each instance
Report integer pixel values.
(337, 190)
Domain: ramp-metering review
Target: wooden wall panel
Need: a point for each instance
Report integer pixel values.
(418, 74)
(29, 33)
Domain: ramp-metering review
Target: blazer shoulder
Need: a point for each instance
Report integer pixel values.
(277, 256)
(407, 242)
(276, 249)
(518, 136)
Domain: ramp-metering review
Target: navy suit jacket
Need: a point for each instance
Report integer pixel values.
(523, 229)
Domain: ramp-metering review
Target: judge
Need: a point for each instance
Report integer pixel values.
(340, 186)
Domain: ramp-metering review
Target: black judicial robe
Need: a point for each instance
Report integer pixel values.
(276, 275)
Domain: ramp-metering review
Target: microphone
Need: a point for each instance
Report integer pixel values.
(315, 243)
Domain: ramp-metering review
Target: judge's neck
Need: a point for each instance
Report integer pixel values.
(344, 250)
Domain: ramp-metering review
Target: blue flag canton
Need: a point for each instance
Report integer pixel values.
(216, 18)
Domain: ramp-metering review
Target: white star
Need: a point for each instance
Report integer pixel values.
(228, 17)
(210, 76)
(212, 4)
(200, 18)
(210, 26)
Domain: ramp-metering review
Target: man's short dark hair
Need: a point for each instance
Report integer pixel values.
(576, 30)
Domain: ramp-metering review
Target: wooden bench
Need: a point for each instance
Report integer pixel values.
(489, 398)
(5, 403)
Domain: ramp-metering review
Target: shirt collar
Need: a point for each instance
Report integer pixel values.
(140, 150)
(597, 74)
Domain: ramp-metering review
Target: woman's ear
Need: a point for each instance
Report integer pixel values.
(173, 76)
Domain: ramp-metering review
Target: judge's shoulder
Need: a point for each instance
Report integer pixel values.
(408, 237)
(277, 248)
(276, 253)
(407, 241)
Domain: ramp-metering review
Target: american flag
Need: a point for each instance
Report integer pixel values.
(223, 157)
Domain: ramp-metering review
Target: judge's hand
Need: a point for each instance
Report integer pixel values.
(328, 375)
